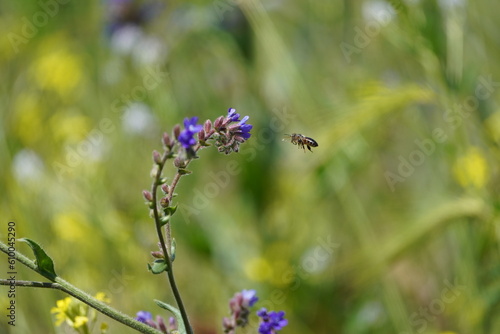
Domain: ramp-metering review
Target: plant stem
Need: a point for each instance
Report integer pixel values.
(60, 284)
(166, 249)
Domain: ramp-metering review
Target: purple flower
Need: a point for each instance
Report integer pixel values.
(232, 115)
(144, 316)
(249, 298)
(190, 129)
(244, 130)
(147, 318)
(231, 131)
(271, 321)
(240, 310)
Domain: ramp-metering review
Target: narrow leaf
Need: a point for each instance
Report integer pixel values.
(183, 171)
(42, 260)
(164, 220)
(175, 312)
(170, 210)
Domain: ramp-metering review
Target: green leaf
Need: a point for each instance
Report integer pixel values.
(170, 210)
(175, 312)
(43, 262)
(159, 266)
(164, 220)
(184, 171)
(172, 250)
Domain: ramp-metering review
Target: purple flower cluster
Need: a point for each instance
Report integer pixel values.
(231, 131)
(240, 310)
(271, 321)
(190, 129)
(147, 318)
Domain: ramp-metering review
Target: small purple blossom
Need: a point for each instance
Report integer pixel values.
(244, 130)
(147, 318)
(240, 310)
(249, 297)
(143, 316)
(232, 115)
(271, 321)
(190, 129)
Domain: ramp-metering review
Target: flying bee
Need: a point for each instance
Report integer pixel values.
(302, 141)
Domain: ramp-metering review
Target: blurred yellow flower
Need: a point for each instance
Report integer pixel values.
(61, 310)
(70, 226)
(80, 321)
(471, 169)
(69, 127)
(493, 126)
(28, 118)
(57, 68)
(258, 269)
(102, 297)
(104, 327)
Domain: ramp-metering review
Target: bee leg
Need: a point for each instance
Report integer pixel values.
(309, 148)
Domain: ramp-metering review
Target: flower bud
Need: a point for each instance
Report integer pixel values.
(164, 202)
(166, 140)
(172, 324)
(201, 135)
(165, 188)
(147, 195)
(207, 126)
(177, 131)
(218, 122)
(179, 162)
(157, 255)
(154, 171)
(161, 324)
(156, 157)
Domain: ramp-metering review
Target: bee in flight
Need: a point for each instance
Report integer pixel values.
(302, 141)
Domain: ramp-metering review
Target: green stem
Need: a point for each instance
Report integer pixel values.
(70, 289)
(166, 250)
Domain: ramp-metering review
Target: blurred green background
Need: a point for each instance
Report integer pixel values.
(391, 225)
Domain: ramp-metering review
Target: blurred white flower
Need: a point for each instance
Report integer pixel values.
(149, 50)
(137, 119)
(27, 166)
(450, 4)
(316, 259)
(371, 313)
(125, 39)
(379, 11)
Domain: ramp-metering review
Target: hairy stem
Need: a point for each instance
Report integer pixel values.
(60, 284)
(166, 248)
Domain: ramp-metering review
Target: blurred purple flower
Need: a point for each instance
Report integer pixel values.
(191, 128)
(271, 321)
(244, 129)
(249, 297)
(230, 136)
(147, 318)
(143, 316)
(240, 310)
(232, 115)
